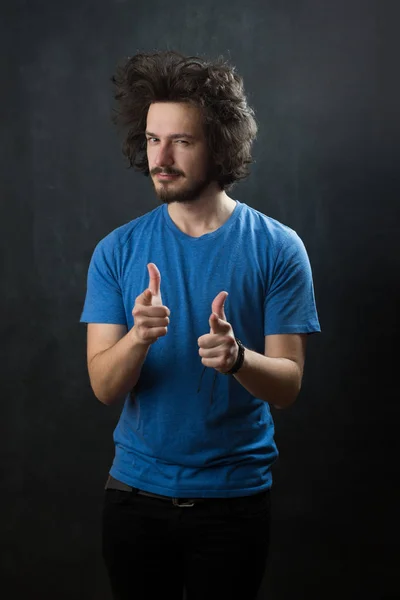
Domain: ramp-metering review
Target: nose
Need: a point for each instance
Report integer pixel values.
(164, 156)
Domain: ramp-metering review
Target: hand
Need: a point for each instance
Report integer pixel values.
(218, 349)
(151, 317)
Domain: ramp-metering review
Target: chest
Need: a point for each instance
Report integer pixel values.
(191, 277)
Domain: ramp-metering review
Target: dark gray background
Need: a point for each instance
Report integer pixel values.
(323, 77)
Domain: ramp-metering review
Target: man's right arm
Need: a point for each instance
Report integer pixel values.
(115, 356)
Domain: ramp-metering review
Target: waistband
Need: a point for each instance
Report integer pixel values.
(115, 484)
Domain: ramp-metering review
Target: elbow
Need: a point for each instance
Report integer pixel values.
(104, 399)
(103, 395)
(286, 402)
(287, 398)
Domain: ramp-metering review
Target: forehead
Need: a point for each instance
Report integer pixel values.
(168, 118)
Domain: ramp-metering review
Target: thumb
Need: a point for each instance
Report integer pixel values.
(217, 305)
(155, 284)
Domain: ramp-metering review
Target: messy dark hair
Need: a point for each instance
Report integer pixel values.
(214, 87)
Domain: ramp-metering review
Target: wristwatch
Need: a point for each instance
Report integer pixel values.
(239, 360)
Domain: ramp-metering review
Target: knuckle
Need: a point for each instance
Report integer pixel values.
(136, 310)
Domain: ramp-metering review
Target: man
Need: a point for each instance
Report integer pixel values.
(198, 314)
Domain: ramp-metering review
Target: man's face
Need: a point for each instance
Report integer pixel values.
(177, 151)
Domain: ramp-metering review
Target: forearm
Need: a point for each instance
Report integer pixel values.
(274, 380)
(114, 372)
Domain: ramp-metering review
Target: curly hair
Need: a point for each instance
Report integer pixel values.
(214, 87)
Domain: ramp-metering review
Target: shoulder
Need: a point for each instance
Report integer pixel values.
(122, 237)
(275, 234)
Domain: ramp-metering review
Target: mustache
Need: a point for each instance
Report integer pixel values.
(165, 171)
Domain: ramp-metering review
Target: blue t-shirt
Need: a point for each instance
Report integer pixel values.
(172, 439)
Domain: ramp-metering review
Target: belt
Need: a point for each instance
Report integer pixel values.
(115, 484)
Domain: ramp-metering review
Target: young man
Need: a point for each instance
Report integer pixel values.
(197, 314)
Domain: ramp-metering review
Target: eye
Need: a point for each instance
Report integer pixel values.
(182, 142)
(152, 140)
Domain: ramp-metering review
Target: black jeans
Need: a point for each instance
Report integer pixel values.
(215, 550)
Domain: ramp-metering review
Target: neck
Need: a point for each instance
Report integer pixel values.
(204, 215)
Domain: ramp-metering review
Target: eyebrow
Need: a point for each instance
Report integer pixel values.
(173, 136)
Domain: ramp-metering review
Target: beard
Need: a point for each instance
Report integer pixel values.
(188, 191)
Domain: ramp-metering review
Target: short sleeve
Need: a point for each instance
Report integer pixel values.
(104, 301)
(290, 301)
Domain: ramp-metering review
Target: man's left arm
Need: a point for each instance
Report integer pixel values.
(276, 375)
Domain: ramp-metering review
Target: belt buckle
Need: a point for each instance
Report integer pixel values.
(183, 502)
